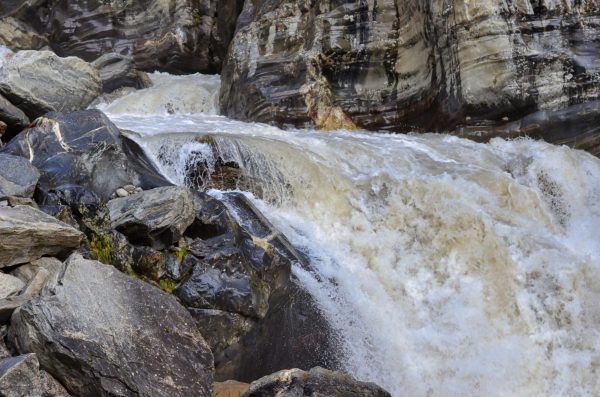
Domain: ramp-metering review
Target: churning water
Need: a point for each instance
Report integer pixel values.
(455, 268)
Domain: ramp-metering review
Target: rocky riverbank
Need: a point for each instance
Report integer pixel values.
(115, 282)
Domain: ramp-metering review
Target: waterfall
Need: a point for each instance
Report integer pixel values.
(446, 267)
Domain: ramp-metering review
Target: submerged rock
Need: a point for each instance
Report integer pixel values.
(38, 82)
(407, 66)
(17, 176)
(101, 332)
(156, 217)
(27, 234)
(314, 383)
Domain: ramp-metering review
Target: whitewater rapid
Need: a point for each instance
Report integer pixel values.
(446, 267)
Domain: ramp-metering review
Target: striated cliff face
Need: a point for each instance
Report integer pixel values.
(168, 35)
(471, 66)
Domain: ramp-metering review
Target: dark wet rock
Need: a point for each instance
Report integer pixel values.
(118, 71)
(38, 82)
(409, 66)
(209, 287)
(168, 35)
(20, 376)
(27, 234)
(100, 332)
(10, 285)
(248, 259)
(313, 383)
(13, 117)
(156, 217)
(81, 149)
(221, 329)
(17, 176)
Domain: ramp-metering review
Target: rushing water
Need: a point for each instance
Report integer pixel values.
(455, 268)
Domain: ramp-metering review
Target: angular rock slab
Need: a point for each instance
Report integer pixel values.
(27, 234)
(18, 176)
(156, 217)
(20, 376)
(314, 383)
(38, 82)
(9, 285)
(101, 332)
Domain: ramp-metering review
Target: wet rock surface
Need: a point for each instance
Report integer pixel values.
(27, 234)
(118, 71)
(406, 66)
(313, 383)
(101, 332)
(38, 82)
(17, 176)
(156, 217)
(79, 149)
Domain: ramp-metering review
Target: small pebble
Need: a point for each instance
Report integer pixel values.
(129, 188)
(122, 192)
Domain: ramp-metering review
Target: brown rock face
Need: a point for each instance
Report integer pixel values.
(412, 65)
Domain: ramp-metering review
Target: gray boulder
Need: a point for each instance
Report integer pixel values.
(101, 332)
(20, 376)
(38, 82)
(118, 71)
(156, 217)
(314, 383)
(27, 234)
(18, 176)
(9, 285)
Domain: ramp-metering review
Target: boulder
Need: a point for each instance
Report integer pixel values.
(101, 332)
(17, 176)
(314, 383)
(406, 66)
(20, 376)
(27, 234)
(9, 285)
(118, 71)
(38, 82)
(168, 35)
(81, 149)
(156, 217)
(13, 117)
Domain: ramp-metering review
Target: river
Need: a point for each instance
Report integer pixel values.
(446, 267)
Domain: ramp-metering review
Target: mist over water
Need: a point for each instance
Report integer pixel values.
(446, 267)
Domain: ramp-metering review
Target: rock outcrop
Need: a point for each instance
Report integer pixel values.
(411, 65)
(17, 176)
(313, 383)
(38, 82)
(101, 332)
(167, 35)
(27, 234)
(117, 71)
